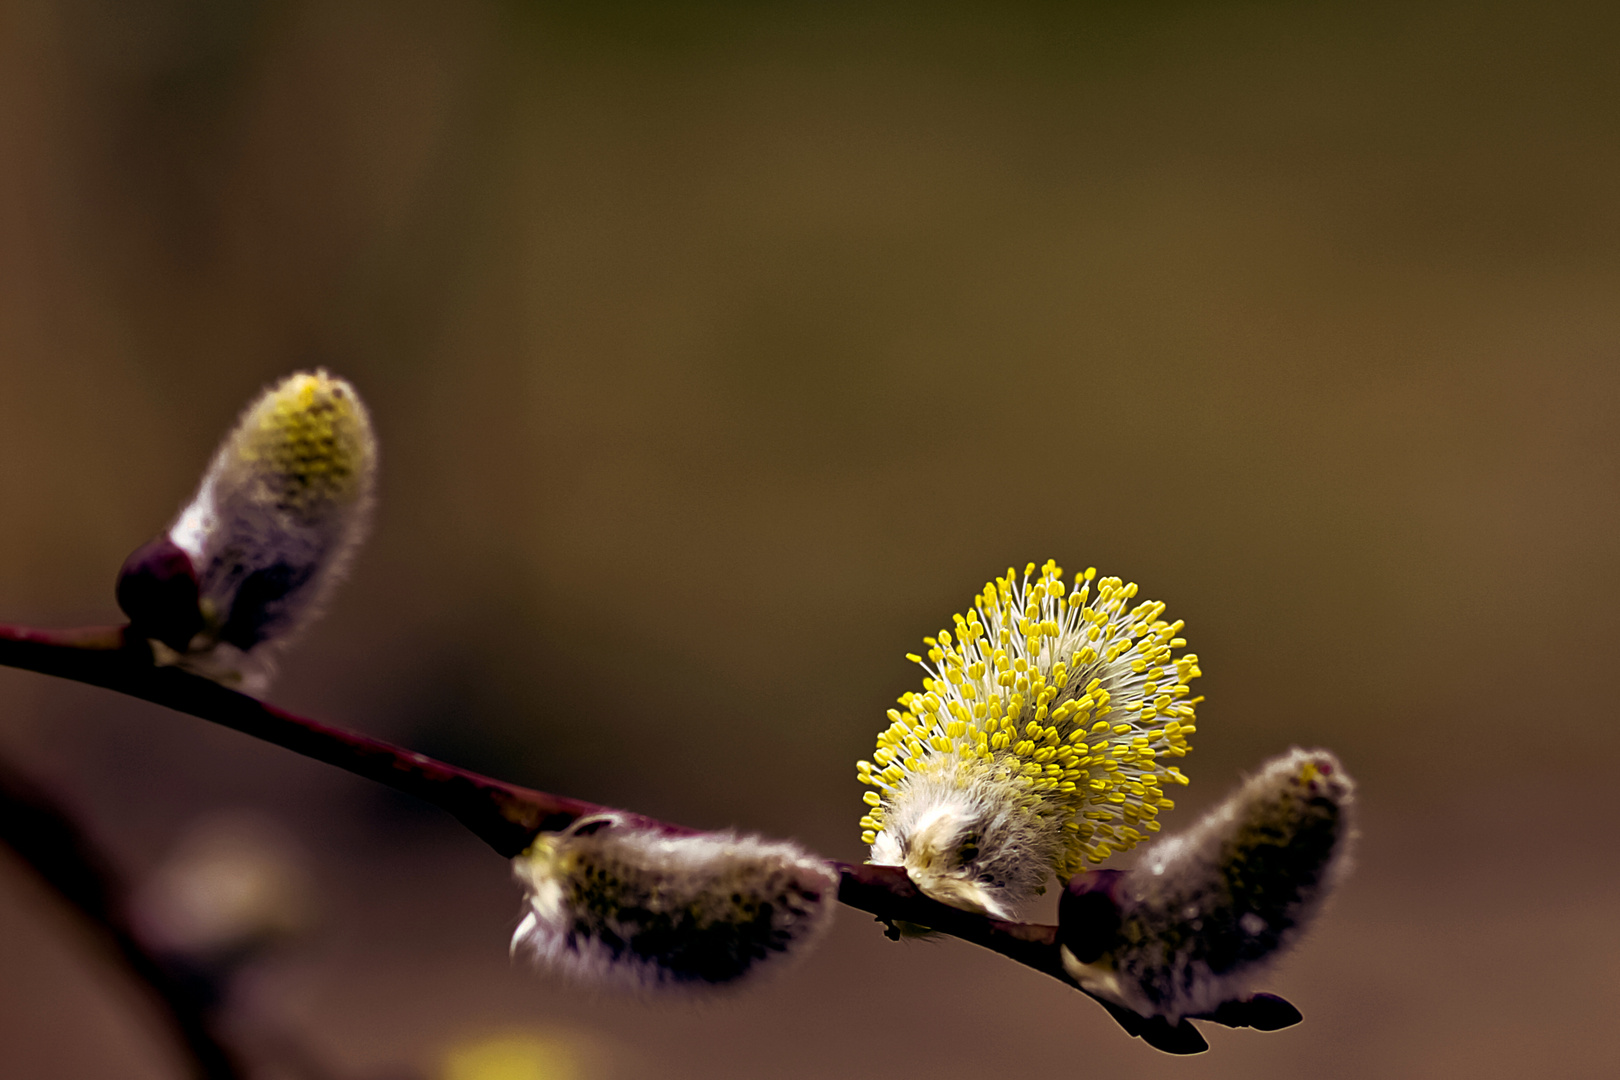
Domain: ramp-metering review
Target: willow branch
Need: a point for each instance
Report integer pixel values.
(505, 816)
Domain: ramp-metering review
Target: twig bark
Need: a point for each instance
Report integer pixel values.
(508, 817)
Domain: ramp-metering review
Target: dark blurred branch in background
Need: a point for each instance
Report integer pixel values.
(508, 817)
(47, 839)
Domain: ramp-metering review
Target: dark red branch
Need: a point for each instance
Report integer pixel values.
(505, 816)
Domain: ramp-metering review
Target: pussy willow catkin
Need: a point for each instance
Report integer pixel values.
(1203, 913)
(1041, 742)
(609, 900)
(282, 508)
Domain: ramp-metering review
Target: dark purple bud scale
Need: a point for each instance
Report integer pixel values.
(157, 589)
(1088, 914)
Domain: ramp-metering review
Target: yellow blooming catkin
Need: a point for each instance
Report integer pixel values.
(1042, 740)
(618, 901)
(1204, 913)
(279, 514)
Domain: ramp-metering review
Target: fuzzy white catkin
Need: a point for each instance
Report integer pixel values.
(1204, 913)
(968, 841)
(612, 901)
(274, 524)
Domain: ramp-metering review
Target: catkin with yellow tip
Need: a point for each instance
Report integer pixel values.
(284, 504)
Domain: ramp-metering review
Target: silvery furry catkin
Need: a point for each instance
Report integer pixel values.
(613, 900)
(1205, 912)
(278, 515)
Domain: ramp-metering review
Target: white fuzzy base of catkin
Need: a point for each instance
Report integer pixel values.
(967, 837)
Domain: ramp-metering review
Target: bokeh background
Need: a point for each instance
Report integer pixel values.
(719, 351)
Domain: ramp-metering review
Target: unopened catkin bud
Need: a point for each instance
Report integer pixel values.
(279, 514)
(612, 900)
(1205, 912)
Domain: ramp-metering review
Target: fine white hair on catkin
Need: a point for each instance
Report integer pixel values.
(280, 512)
(965, 836)
(1204, 913)
(614, 901)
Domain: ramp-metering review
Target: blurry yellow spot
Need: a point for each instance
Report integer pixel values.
(517, 1057)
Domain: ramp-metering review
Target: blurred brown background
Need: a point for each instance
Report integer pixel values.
(720, 351)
